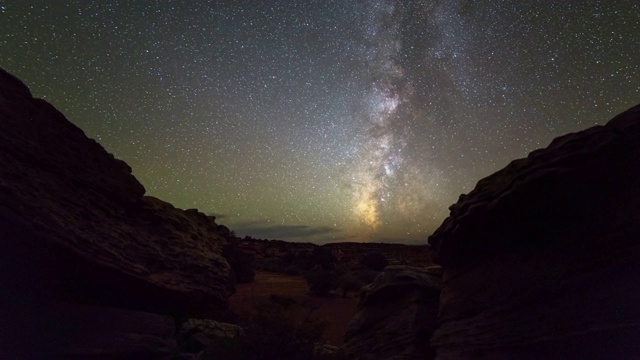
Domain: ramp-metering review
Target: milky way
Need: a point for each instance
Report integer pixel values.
(325, 120)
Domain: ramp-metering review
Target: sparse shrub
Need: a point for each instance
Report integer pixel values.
(273, 265)
(292, 271)
(284, 301)
(288, 258)
(270, 333)
(323, 258)
(366, 276)
(242, 263)
(349, 283)
(224, 231)
(321, 281)
(303, 261)
(375, 261)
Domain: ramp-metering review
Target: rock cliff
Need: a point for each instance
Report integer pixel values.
(542, 259)
(75, 226)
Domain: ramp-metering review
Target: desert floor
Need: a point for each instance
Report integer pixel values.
(334, 310)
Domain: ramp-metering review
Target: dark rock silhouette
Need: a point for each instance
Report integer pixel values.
(542, 259)
(75, 227)
(242, 262)
(98, 332)
(374, 261)
(396, 316)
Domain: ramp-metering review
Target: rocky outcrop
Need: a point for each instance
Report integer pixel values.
(396, 315)
(75, 225)
(198, 334)
(542, 259)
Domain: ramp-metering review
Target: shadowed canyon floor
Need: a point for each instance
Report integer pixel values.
(335, 311)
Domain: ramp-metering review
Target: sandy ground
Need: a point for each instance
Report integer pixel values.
(336, 311)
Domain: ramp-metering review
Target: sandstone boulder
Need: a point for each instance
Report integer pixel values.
(396, 315)
(198, 334)
(542, 259)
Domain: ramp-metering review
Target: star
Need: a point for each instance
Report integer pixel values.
(325, 120)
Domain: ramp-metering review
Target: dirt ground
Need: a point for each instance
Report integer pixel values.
(336, 311)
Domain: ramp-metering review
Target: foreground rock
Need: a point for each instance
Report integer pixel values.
(542, 258)
(198, 334)
(97, 332)
(101, 332)
(396, 316)
(76, 227)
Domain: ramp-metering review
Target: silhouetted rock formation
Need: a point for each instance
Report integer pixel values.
(542, 259)
(75, 227)
(396, 316)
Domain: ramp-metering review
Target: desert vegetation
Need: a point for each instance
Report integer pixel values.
(242, 262)
(275, 330)
(292, 293)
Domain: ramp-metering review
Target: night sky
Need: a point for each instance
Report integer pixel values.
(325, 120)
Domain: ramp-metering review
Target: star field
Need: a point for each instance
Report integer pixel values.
(325, 120)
